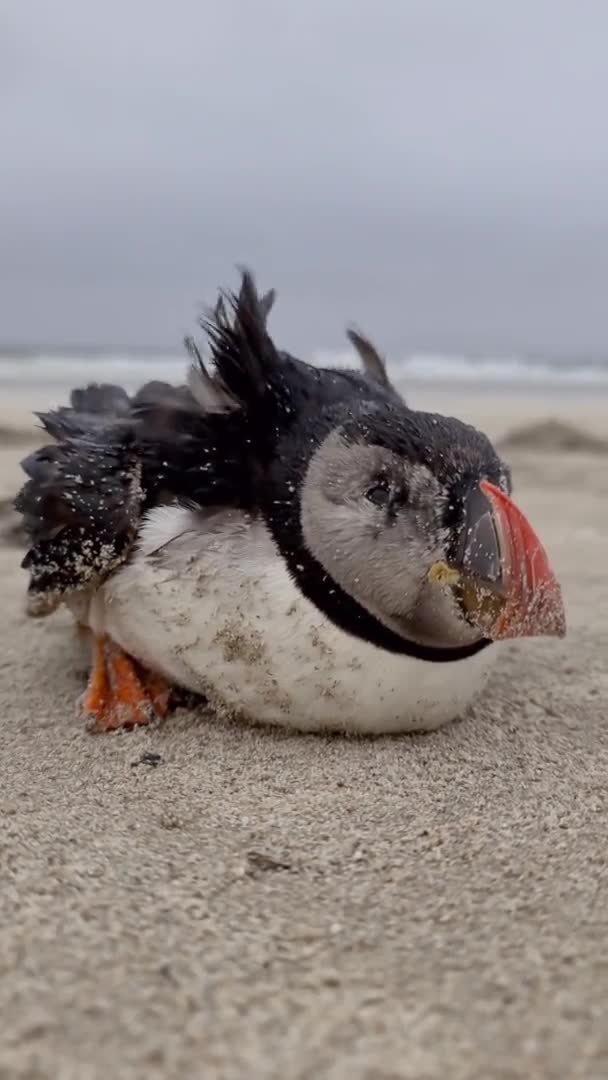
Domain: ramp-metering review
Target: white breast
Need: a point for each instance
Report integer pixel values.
(209, 603)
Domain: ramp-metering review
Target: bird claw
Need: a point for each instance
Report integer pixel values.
(120, 693)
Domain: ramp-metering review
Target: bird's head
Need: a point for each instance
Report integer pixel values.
(410, 515)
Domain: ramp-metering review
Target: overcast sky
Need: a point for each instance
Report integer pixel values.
(436, 170)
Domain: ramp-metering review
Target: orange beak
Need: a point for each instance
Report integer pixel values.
(503, 558)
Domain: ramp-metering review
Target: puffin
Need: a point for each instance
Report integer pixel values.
(294, 544)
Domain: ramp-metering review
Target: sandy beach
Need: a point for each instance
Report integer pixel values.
(258, 904)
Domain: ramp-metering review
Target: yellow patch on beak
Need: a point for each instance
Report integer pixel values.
(443, 574)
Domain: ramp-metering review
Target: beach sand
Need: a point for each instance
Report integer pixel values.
(268, 905)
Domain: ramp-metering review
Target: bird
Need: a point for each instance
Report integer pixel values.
(295, 544)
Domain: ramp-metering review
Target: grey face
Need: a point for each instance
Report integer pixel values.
(374, 522)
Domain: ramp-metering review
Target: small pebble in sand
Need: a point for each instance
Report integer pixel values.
(147, 758)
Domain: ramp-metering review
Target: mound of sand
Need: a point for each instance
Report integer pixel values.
(553, 436)
(17, 436)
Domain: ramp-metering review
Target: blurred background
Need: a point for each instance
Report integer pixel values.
(435, 171)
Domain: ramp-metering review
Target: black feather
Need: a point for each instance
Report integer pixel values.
(103, 399)
(81, 506)
(160, 392)
(243, 355)
(373, 363)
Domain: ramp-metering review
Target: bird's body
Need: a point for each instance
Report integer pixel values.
(208, 602)
(266, 537)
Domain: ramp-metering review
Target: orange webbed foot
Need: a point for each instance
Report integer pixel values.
(120, 693)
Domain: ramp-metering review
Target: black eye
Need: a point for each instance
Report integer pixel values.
(379, 493)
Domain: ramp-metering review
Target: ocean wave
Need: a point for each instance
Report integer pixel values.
(70, 371)
(434, 367)
(131, 370)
